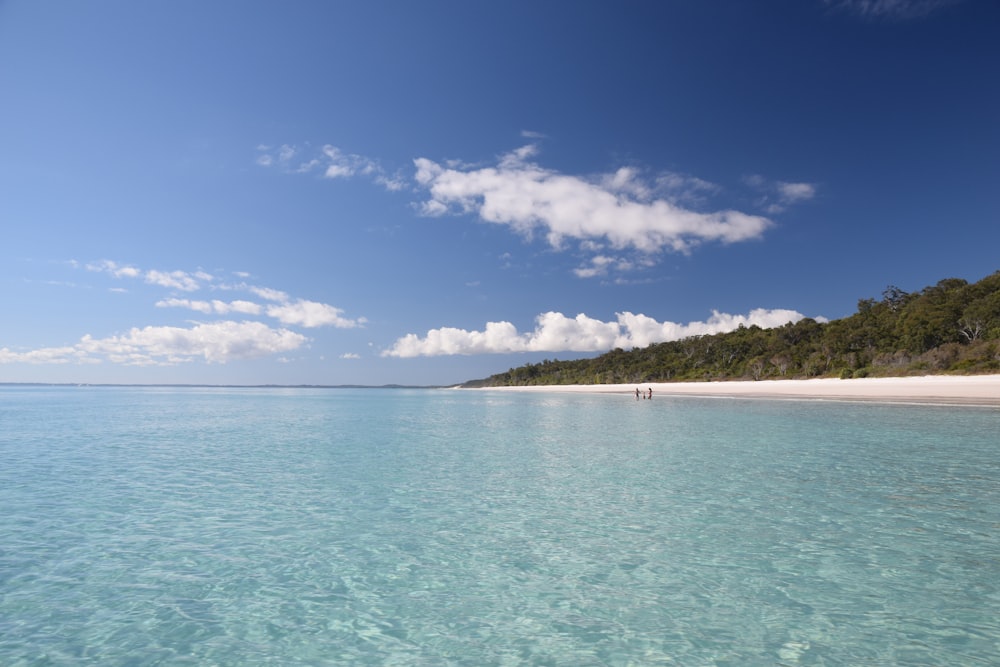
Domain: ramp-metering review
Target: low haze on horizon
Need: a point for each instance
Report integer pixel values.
(427, 193)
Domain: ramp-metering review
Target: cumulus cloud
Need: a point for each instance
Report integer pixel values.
(555, 332)
(215, 342)
(45, 355)
(626, 211)
(300, 312)
(619, 209)
(312, 314)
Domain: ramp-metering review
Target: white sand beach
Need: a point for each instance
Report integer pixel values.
(928, 389)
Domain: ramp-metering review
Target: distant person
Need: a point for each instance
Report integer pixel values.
(650, 393)
(637, 393)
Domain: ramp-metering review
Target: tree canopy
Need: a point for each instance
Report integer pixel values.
(950, 327)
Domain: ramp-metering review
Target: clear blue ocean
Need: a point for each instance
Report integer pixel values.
(197, 526)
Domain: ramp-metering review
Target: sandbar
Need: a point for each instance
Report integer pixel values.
(972, 390)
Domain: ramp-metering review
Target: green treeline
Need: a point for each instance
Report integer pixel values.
(952, 327)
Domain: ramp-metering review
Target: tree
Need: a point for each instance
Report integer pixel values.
(951, 326)
(894, 297)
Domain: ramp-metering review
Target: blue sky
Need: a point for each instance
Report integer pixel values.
(430, 192)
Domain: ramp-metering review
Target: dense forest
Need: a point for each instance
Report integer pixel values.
(951, 327)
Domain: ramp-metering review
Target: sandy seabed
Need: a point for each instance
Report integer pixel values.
(928, 389)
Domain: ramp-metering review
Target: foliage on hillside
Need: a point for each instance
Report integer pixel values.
(951, 327)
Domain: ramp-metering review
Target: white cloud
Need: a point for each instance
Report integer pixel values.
(350, 355)
(215, 342)
(600, 265)
(200, 306)
(619, 209)
(269, 294)
(115, 269)
(312, 314)
(302, 312)
(238, 306)
(891, 9)
(174, 280)
(338, 171)
(642, 215)
(555, 332)
(331, 161)
(216, 306)
(794, 192)
(45, 355)
(777, 196)
(180, 280)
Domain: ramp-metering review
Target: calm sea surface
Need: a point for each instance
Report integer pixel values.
(168, 526)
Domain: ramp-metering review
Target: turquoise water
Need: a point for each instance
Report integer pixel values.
(163, 526)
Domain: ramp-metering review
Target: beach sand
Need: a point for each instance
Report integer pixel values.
(928, 389)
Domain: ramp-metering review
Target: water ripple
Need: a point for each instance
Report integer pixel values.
(281, 527)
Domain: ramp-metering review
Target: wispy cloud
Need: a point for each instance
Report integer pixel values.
(329, 161)
(795, 192)
(213, 306)
(237, 306)
(601, 265)
(269, 294)
(216, 341)
(301, 312)
(176, 280)
(114, 268)
(200, 306)
(179, 280)
(555, 332)
(891, 9)
(777, 196)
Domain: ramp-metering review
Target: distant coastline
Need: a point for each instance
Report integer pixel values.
(969, 390)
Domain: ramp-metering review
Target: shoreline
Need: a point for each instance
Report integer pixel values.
(957, 390)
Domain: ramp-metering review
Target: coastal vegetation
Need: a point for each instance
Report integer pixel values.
(950, 327)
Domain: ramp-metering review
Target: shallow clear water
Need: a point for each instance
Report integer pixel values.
(191, 526)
